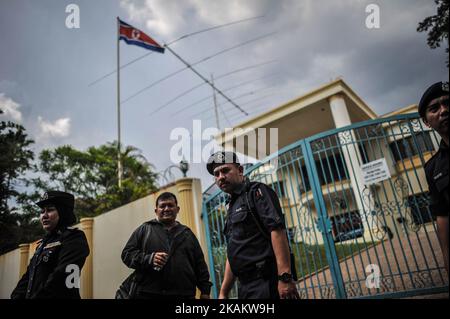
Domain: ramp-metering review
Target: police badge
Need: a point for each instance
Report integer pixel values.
(220, 157)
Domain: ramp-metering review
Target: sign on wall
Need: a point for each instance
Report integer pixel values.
(375, 172)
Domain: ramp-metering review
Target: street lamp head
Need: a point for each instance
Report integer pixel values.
(184, 167)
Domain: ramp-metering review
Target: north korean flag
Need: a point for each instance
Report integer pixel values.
(131, 35)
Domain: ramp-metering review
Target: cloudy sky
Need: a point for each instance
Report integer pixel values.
(49, 73)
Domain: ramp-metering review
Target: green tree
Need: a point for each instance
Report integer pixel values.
(15, 159)
(438, 26)
(92, 176)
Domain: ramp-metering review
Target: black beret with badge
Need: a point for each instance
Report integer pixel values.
(57, 198)
(221, 158)
(434, 91)
(64, 202)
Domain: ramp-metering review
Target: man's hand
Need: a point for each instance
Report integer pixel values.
(228, 281)
(222, 295)
(159, 259)
(287, 290)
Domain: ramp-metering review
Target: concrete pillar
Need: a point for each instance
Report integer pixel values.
(87, 225)
(197, 197)
(339, 111)
(24, 258)
(190, 210)
(186, 203)
(352, 157)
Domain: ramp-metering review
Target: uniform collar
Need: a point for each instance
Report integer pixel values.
(236, 193)
(241, 188)
(54, 233)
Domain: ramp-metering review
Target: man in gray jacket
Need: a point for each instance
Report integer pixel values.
(167, 257)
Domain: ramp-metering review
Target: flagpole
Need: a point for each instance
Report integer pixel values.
(119, 160)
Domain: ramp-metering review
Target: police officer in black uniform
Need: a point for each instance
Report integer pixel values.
(56, 265)
(433, 108)
(258, 253)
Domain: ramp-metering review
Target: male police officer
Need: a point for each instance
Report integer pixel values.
(48, 274)
(433, 108)
(257, 246)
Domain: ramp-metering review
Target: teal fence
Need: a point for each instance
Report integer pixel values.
(356, 204)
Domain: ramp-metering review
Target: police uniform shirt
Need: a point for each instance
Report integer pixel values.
(46, 274)
(436, 170)
(246, 245)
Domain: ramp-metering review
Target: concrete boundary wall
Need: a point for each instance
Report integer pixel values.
(107, 234)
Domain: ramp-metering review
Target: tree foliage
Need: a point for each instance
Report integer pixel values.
(438, 26)
(15, 159)
(92, 176)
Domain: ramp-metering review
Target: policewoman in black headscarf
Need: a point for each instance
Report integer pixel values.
(55, 268)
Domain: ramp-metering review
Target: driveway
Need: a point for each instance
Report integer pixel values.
(410, 262)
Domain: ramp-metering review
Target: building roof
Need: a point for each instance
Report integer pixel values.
(405, 110)
(302, 117)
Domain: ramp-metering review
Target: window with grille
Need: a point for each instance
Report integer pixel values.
(411, 146)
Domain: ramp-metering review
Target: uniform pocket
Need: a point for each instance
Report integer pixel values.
(442, 182)
(245, 223)
(238, 223)
(238, 217)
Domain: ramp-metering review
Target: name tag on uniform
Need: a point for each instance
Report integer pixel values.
(51, 245)
(438, 176)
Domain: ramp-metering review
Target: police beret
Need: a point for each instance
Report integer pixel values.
(57, 198)
(221, 158)
(436, 90)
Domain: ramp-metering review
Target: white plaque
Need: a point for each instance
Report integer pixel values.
(375, 172)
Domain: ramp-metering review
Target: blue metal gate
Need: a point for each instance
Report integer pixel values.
(357, 209)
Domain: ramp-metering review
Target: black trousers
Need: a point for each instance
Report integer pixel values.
(261, 288)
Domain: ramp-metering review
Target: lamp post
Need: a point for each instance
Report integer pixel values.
(183, 167)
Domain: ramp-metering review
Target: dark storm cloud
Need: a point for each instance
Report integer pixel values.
(46, 68)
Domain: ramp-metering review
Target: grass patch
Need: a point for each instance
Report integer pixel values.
(312, 258)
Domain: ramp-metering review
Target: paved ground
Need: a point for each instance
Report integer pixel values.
(412, 262)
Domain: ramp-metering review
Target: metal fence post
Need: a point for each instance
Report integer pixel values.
(323, 221)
